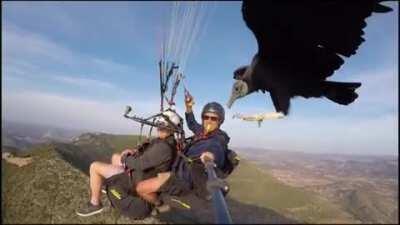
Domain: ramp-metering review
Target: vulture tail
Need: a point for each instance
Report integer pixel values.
(341, 92)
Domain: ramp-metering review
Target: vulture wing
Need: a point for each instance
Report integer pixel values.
(308, 36)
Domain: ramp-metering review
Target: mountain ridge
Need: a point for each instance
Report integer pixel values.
(256, 196)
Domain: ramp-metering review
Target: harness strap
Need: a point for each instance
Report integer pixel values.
(139, 174)
(195, 139)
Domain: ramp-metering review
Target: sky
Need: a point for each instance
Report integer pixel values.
(78, 64)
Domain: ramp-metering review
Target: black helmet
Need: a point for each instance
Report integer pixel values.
(216, 108)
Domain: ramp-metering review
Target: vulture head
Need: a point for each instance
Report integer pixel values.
(240, 89)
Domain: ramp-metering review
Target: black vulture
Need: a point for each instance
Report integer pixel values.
(301, 44)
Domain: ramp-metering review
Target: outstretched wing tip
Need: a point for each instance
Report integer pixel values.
(382, 8)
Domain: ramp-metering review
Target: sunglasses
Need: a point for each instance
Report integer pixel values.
(212, 118)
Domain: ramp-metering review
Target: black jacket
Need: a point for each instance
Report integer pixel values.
(216, 143)
(157, 157)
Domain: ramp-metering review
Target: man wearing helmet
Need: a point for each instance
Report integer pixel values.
(152, 158)
(209, 141)
(208, 134)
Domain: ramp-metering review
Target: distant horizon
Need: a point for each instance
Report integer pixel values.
(233, 147)
(320, 153)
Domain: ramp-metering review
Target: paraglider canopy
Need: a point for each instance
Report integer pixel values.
(186, 23)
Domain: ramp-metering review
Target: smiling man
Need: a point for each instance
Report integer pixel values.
(208, 135)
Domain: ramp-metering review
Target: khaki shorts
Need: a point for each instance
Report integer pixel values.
(163, 177)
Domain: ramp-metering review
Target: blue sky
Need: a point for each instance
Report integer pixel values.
(78, 64)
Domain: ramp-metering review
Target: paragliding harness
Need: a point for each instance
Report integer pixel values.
(120, 188)
(121, 192)
(179, 195)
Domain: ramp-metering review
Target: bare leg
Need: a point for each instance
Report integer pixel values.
(99, 171)
(116, 159)
(147, 189)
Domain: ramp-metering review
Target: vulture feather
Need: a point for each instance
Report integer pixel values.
(300, 45)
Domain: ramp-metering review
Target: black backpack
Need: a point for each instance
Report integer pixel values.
(231, 162)
(119, 192)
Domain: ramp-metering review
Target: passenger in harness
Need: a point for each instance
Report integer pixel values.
(188, 173)
(129, 167)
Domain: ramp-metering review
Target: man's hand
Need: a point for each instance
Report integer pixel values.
(207, 156)
(129, 151)
(125, 153)
(189, 102)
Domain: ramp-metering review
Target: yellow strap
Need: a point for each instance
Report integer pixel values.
(115, 193)
(182, 203)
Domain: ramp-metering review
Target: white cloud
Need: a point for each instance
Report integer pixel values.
(109, 66)
(47, 14)
(22, 48)
(84, 82)
(33, 59)
(27, 45)
(342, 134)
(51, 109)
(28, 55)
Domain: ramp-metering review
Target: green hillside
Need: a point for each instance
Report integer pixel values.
(49, 189)
(120, 142)
(91, 147)
(368, 206)
(107, 143)
(253, 186)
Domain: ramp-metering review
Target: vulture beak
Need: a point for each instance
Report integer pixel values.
(239, 90)
(232, 99)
